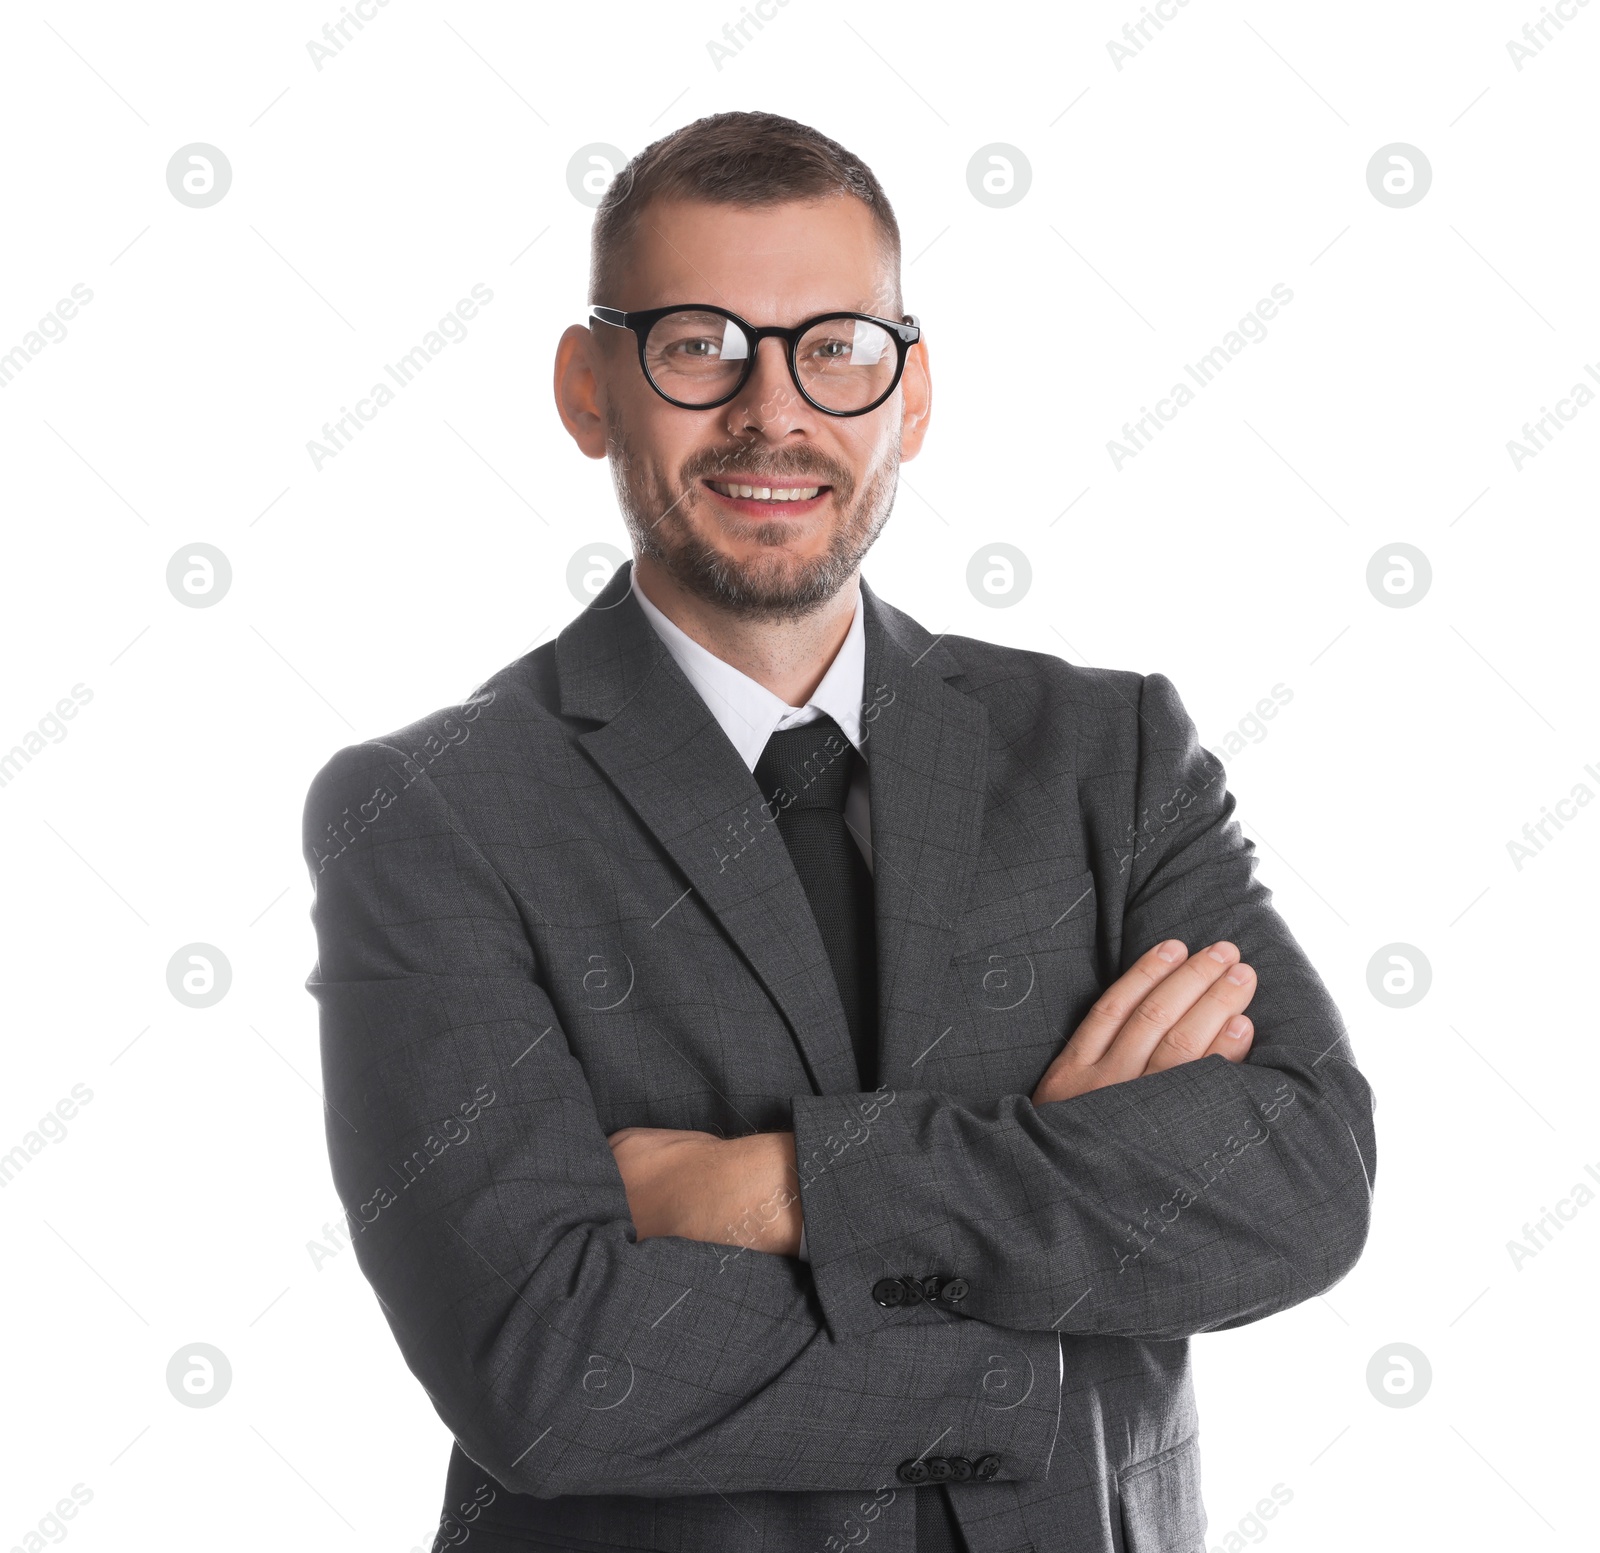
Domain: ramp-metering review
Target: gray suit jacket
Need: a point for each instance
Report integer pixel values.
(558, 910)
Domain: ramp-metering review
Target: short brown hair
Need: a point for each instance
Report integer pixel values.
(733, 159)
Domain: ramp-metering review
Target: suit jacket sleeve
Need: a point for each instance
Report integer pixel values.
(1186, 1201)
(487, 1212)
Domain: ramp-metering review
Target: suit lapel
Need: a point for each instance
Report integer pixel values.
(927, 757)
(926, 746)
(665, 753)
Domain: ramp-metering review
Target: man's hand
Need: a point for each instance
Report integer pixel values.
(1165, 1010)
(728, 1191)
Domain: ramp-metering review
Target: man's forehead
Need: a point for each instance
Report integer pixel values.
(759, 261)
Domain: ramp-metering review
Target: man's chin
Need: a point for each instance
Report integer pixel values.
(764, 584)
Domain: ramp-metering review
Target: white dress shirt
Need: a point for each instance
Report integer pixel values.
(750, 714)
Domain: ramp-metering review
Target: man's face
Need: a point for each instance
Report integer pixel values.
(673, 468)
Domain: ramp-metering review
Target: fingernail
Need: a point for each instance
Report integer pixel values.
(1239, 975)
(1216, 954)
(1169, 951)
(1235, 1029)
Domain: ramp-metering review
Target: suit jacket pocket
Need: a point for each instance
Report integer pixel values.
(1161, 1508)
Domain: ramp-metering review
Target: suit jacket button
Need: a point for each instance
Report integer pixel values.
(931, 1287)
(954, 1291)
(985, 1467)
(912, 1471)
(960, 1469)
(938, 1469)
(889, 1291)
(913, 1288)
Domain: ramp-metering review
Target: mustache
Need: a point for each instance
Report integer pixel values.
(812, 470)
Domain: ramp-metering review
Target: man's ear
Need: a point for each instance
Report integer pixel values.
(916, 389)
(578, 389)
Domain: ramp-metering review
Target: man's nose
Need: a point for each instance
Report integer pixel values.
(769, 403)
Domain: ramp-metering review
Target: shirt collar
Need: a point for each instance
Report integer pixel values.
(746, 710)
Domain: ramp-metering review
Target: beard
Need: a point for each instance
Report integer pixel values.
(761, 588)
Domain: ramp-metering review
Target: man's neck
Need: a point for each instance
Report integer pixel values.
(788, 657)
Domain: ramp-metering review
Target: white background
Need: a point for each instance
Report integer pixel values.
(1167, 197)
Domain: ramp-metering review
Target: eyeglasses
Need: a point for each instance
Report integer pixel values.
(699, 356)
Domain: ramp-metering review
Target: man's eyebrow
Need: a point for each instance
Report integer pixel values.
(848, 306)
(856, 304)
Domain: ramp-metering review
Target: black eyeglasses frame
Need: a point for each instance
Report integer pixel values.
(905, 334)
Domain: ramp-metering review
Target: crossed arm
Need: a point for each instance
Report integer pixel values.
(1142, 1190)
(1168, 1008)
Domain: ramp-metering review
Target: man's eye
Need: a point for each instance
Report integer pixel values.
(696, 350)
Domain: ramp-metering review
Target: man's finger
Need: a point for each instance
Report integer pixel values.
(1235, 1040)
(1163, 1007)
(1192, 1034)
(1090, 1041)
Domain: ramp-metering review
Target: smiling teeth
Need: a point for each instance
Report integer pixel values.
(766, 493)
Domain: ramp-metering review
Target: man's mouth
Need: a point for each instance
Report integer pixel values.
(755, 495)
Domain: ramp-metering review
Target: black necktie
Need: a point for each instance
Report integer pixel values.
(804, 773)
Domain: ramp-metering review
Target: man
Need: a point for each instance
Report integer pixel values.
(769, 1047)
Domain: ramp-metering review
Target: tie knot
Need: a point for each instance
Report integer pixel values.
(811, 763)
